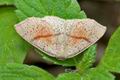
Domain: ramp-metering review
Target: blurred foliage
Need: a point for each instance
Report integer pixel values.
(111, 59)
(91, 74)
(6, 2)
(69, 76)
(13, 71)
(12, 47)
(67, 9)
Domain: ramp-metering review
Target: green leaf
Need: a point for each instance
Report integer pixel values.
(13, 71)
(12, 47)
(111, 58)
(85, 59)
(63, 8)
(67, 62)
(91, 74)
(6, 2)
(69, 76)
(97, 74)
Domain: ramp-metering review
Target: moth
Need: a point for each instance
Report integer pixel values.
(58, 37)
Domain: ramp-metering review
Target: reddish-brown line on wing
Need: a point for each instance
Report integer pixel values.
(80, 37)
(42, 36)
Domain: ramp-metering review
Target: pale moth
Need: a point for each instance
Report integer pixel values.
(58, 37)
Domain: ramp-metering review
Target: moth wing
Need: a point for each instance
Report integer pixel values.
(82, 33)
(40, 32)
(59, 38)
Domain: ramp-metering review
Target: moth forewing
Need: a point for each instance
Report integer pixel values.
(25, 28)
(58, 37)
